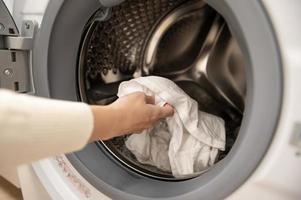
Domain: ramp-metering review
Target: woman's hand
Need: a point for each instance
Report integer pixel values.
(132, 113)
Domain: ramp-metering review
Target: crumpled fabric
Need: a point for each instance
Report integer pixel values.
(186, 143)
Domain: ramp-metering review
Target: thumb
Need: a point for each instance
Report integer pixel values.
(166, 111)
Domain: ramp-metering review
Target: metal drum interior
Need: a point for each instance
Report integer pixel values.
(185, 41)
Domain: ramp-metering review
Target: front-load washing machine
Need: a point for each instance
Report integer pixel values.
(239, 59)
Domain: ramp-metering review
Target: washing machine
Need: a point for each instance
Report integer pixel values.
(239, 59)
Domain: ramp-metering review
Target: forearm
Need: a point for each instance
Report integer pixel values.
(105, 123)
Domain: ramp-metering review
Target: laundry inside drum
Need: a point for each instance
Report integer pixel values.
(185, 41)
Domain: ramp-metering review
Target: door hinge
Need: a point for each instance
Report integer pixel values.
(15, 59)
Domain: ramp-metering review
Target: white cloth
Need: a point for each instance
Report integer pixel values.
(185, 143)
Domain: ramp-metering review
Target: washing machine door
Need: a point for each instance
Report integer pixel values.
(55, 75)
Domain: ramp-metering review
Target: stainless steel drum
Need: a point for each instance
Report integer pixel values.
(185, 41)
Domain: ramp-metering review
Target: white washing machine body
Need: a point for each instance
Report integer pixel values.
(276, 176)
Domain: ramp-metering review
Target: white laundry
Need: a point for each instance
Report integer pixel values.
(187, 142)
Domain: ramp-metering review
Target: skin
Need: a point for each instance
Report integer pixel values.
(132, 113)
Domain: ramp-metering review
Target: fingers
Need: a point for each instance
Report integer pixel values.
(150, 99)
(161, 112)
(166, 111)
